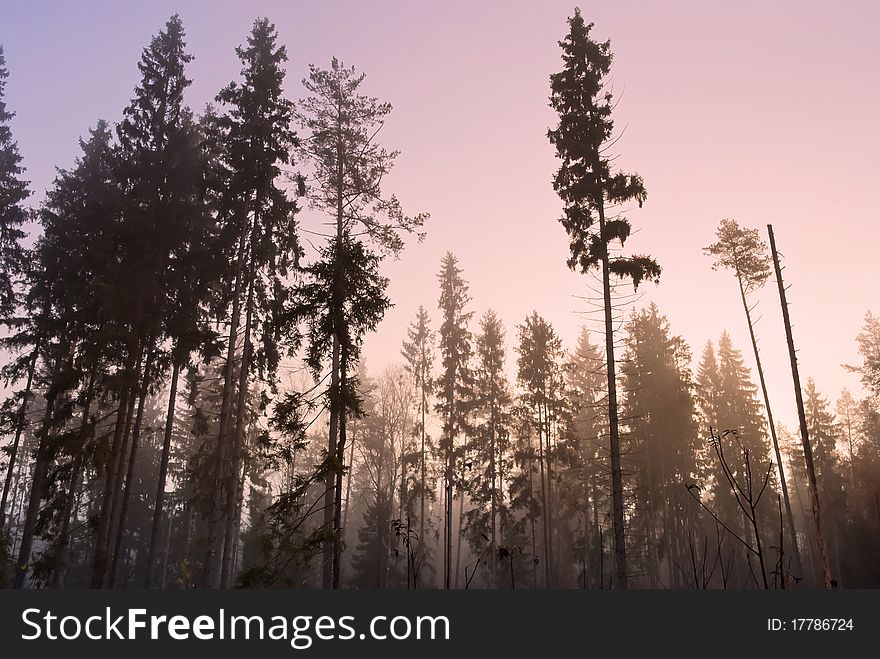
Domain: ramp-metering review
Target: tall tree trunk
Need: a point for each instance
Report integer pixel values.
(493, 504)
(124, 413)
(424, 484)
(340, 466)
(42, 461)
(238, 438)
(802, 418)
(547, 454)
(163, 473)
(330, 478)
(119, 524)
(617, 505)
(19, 429)
(450, 465)
(72, 493)
(459, 534)
(782, 482)
(216, 535)
(336, 407)
(545, 510)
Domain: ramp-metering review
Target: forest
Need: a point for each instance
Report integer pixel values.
(187, 406)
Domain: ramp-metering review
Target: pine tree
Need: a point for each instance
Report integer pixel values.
(348, 169)
(588, 187)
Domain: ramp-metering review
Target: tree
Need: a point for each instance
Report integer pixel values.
(348, 167)
(418, 351)
(490, 444)
(821, 540)
(727, 399)
(454, 385)
(869, 348)
(70, 294)
(586, 477)
(743, 251)
(660, 416)
(13, 214)
(256, 140)
(540, 376)
(825, 433)
(588, 187)
(13, 193)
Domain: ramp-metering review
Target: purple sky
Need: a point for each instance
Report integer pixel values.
(762, 112)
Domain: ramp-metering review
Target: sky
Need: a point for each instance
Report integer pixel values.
(761, 112)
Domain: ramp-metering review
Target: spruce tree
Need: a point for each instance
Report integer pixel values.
(13, 213)
(660, 418)
(454, 388)
(418, 351)
(490, 445)
(255, 140)
(540, 376)
(589, 188)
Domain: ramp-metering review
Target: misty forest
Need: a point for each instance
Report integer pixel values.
(187, 406)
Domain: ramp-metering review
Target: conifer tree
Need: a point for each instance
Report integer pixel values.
(490, 445)
(540, 376)
(13, 214)
(454, 387)
(255, 140)
(659, 410)
(418, 351)
(70, 283)
(586, 479)
(589, 189)
(348, 166)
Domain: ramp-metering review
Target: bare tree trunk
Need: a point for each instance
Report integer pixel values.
(38, 484)
(802, 418)
(458, 537)
(493, 508)
(129, 476)
(163, 474)
(71, 498)
(166, 552)
(216, 537)
(340, 467)
(19, 428)
(547, 429)
(237, 439)
(117, 453)
(424, 483)
(617, 506)
(450, 465)
(544, 507)
(782, 482)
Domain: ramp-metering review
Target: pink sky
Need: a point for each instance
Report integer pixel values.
(762, 112)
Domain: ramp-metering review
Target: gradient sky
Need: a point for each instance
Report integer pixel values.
(762, 112)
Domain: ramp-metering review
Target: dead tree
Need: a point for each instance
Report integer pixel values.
(802, 418)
